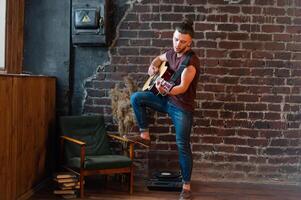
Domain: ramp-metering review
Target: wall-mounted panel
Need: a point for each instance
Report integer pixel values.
(2, 33)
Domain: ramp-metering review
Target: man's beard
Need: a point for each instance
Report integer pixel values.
(180, 51)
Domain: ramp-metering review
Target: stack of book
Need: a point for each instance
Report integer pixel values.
(67, 184)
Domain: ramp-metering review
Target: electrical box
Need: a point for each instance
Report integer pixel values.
(90, 23)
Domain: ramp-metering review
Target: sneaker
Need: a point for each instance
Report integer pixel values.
(185, 195)
(138, 140)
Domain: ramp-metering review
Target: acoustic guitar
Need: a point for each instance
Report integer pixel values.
(164, 73)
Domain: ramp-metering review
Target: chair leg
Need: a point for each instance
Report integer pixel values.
(132, 180)
(81, 183)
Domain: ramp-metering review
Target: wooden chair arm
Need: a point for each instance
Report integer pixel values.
(82, 148)
(122, 139)
(73, 140)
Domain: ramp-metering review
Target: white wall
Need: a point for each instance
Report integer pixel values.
(2, 32)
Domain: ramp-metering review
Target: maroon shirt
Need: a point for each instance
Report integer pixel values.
(185, 100)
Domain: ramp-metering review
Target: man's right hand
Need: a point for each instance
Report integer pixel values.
(152, 70)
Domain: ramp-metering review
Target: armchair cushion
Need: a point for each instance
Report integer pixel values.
(101, 162)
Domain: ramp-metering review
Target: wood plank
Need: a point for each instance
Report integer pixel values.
(27, 114)
(96, 190)
(6, 180)
(14, 36)
(33, 134)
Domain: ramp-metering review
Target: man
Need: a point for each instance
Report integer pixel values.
(178, 101)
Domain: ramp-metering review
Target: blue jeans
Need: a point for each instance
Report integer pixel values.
(182, 121)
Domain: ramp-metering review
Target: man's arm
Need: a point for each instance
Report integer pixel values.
(186, 78)
(155, 64)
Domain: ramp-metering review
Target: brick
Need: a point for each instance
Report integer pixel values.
(206, 44)
(204, 27)
(238, 36)
(250, 27)
(161, 43)
(274, 46)
(271, 98)
(149, 1)
(232, 63)
(282, 37)
(294, 12)
(283, 55)
(196, 2)
(229, 45)
(262, 72)
(247, 133)
(255, 115)
(264, 2)
(294, 29)
(273, 28)
(171, 17)
(263, 19)
(216, 2)
(234, 106)
(141, 8)
(128, 51)
(160, 25)
(128, 34)
(224, 148)
(211, 140)
(251, 10)
(165, 8)
(174, 1)
(216, 35)
(273, 11)
(131, 17)
(237, 158)
(240, 19)
(272, 116)
(262, 54)
(261, 37)
(227, 27)
(241, 115)
(256, 107)
(247, 98)
(226, 97)
(285, 2)
(229, 9)
(226, 115)
(252, 45)
(215, 53)
(217, 18)
(183, 8)
(239, 54)
(257, 142)
(245, 150)
(284, 20)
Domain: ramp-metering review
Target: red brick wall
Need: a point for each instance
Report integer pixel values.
(247, 121)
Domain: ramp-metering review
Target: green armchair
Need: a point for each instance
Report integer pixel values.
(85, 149)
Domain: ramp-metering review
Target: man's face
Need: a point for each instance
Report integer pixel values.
(181, 42)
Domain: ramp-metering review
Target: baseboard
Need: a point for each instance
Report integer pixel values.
(32, 191)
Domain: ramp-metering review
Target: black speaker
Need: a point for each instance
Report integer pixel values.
(165, 181)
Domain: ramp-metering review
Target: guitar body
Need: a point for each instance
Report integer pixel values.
(164, 73)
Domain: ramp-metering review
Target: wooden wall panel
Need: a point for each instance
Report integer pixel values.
(5, 138)
(14, 36)
(32, 128)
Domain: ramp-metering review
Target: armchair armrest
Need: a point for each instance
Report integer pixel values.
(78, 142)
(73, 140)
(121, 139)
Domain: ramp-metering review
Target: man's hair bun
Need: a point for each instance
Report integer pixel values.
(188, 22)
(186, 27)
